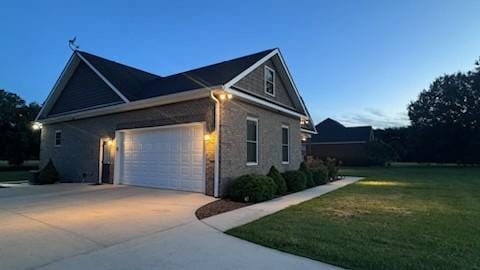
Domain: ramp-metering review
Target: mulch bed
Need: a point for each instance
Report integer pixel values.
(218, 207)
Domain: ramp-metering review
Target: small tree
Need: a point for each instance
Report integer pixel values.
(278, 178)
(308, 174)
(48, 175)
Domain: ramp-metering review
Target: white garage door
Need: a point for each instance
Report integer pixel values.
(166, 157)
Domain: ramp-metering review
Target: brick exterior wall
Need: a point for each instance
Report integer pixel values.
(255, 83)
(233, 153)
(348, 153)
(77, 158)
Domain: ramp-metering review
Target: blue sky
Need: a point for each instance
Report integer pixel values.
(360, 62)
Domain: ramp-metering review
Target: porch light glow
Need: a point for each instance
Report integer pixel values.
(36, 126)
(223, 97)
(207, 137)
(229, 96)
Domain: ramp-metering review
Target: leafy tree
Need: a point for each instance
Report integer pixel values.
(19, 141)
(446, 119)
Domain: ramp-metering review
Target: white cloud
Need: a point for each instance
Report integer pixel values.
(376, 118)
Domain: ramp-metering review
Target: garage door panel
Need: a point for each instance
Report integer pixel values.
(166, 157)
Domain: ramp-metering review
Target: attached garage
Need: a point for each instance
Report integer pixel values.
(171, 157)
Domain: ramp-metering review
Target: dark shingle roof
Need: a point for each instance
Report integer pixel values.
(330, 130)
(136, 84)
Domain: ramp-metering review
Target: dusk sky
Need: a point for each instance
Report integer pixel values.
(360, 62)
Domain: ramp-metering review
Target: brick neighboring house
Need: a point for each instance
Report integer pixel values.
(348, 144)
(194, 131)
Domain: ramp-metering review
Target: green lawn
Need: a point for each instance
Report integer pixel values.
(14, 176)
(397, 218)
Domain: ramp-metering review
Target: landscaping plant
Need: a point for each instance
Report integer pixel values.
(332, 169)
(296, 180)
(47, 175)
(279, 181)
(308, 174)
(252, 188)
(320, 175)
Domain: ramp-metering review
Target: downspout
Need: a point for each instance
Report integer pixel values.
(216, 180)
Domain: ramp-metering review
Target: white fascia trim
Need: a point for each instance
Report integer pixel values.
(291, 81)
(103, 78)
(308, 131)
(265, 103)
(250, 69)
(55, 86)
(260, 62)
(133, 105)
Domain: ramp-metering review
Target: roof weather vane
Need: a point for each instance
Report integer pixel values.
(72, 45)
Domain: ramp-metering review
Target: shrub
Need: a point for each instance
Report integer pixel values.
(380, 153)
(296, 180)
(308, 174)
(278, 179)
(47, 175)
(332, 168)
(320, 175)
(252, 188)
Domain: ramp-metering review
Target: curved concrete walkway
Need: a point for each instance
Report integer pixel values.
(115, 227)
(238, 217)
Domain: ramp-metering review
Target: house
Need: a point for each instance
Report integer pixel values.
(348, 144)
(195, 131)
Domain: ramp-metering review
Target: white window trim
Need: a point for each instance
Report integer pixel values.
(256, 142)
(55, 138)
(288, 144)
(265, 80)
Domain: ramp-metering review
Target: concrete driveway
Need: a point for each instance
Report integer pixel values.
(75, 226)
(42, 224)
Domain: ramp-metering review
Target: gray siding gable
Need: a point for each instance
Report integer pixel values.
(284, 91)
(84, 90)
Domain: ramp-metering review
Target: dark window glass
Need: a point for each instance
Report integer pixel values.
(251, 152)
(285, 144)
(58, 138)
(285, 153)
(269, 81)
(251, 130)
(252, 141)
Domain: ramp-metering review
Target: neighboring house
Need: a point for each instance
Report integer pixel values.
(193, 131)
(348, 144)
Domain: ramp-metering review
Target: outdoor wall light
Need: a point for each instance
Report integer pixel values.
(225, 96)
(36, 126)
(207, 137)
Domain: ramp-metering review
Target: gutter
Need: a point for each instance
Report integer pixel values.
(216, 180)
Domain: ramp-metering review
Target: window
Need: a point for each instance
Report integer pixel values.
(269, 81)
(285, 145)
(252, 141)
(58, 137)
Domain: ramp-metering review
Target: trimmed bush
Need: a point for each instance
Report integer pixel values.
(332, 169)
(320, 175)
(296, 180)
(252, 188)
(47, 175)
(279, 181)
(308, 174)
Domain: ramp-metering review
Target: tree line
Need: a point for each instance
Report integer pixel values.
(445, 122)
(18, 141)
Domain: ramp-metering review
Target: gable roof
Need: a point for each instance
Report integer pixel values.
(331, 131)
(132, 84)
(136, 84)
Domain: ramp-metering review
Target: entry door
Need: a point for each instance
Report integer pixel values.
(169, 157)
(106, 161)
